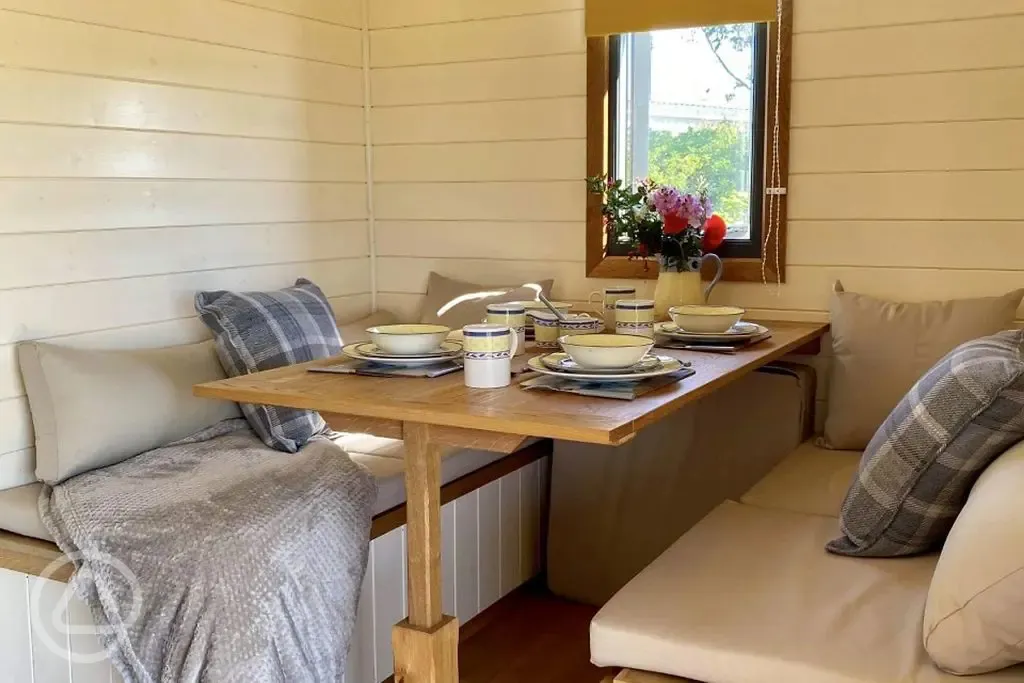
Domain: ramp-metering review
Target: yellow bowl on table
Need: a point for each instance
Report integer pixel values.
(705, 319)
(408, 339)
(606, 351)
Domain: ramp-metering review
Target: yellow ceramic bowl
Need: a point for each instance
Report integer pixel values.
(705, 319)
(606, 351)
(409, 339)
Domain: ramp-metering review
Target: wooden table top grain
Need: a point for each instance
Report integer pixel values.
(447, 402)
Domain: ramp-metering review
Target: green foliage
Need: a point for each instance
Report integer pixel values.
(711, 158)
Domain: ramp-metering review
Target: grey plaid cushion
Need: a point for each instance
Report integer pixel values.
(919, 467)
(264, 330)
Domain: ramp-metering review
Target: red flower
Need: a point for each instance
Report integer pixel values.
(714, 233)
(675, 224)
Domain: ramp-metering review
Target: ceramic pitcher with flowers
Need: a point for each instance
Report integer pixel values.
(677, 227)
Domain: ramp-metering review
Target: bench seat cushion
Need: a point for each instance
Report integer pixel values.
(19, 512)
(750, 596)
(811, 480)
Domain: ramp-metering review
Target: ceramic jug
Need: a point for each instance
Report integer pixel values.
(680, 287)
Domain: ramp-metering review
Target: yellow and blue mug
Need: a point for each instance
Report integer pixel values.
(634, 316)
(487, 355)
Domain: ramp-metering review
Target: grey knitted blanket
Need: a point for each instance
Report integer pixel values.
(218, 559)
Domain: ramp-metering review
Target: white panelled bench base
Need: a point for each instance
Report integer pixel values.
(492, 545)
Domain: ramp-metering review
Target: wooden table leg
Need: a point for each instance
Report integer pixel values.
(426, 644)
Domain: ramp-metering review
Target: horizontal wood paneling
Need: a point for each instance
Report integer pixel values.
(826, 15)
(61, 152)
(509, 79)
(342, 12)
(35, 312)
(46, 205)
(557, 201)
(57, 258)
(965, 244)
(213, 21)
(486, 161)
(965, 195)
(29, 96)
(28, 42)
(390, 13)
(546, 119)
(956, 146)
(944, 46)
(951, 96)
(468, 239)
(549, 34)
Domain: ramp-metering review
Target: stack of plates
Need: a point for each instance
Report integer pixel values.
(368, 351)
(561, 365)
(740, 333)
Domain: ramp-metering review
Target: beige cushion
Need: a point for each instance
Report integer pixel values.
(750, 596)
(19, 512)
(882, 348)
(355, 330)
(456, 303)
(811, 480)
(96, 408)
(974, 618)
(17, 468)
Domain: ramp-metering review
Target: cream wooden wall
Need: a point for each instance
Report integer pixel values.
(907, 148)
(151, 149)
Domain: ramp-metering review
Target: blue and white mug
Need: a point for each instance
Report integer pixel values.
(487, 355)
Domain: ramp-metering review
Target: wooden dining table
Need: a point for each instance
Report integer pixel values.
(431, 415)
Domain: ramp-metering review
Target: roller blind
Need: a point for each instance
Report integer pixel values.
(606, 17)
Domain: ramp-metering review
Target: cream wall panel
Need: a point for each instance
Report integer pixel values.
(37, 312)
(468, 239)
(487, 81)
(549, 34)
(65, 205)
(988, 195)
(974, 245)
(467, 553)
(489, 529)
(61, 152)
(485, 161)
(342, 12)
(979, 95)
(28, 42)
(509, 519)
(58, 258)
(824, 15)
(213, 21)
(547, 119)
(74, 100)
(973, 145)
(943, 46)
(391, 13)
(561, 201)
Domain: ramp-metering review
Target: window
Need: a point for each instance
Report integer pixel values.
(693, 107)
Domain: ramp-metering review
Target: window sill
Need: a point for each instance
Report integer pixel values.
(622, 268)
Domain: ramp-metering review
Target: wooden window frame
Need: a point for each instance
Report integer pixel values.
(598, 127)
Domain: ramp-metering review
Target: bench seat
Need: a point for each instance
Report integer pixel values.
(19, 512)
(810, 480)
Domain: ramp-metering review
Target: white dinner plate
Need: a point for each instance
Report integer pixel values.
(666, 366)
(352, 351)
(741, 331)
(563, 363)
(448, 349)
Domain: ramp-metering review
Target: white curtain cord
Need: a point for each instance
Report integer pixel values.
(775, 181)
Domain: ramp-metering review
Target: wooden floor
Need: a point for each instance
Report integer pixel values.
(532, 636)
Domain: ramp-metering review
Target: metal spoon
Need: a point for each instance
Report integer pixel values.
(551, 307)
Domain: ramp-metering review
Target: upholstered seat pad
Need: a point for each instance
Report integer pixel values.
(19, 512)
(810, 480)
(749, 595)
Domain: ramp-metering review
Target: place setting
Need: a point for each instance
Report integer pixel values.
(617, 366)
(712, 329)
(401, 350)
